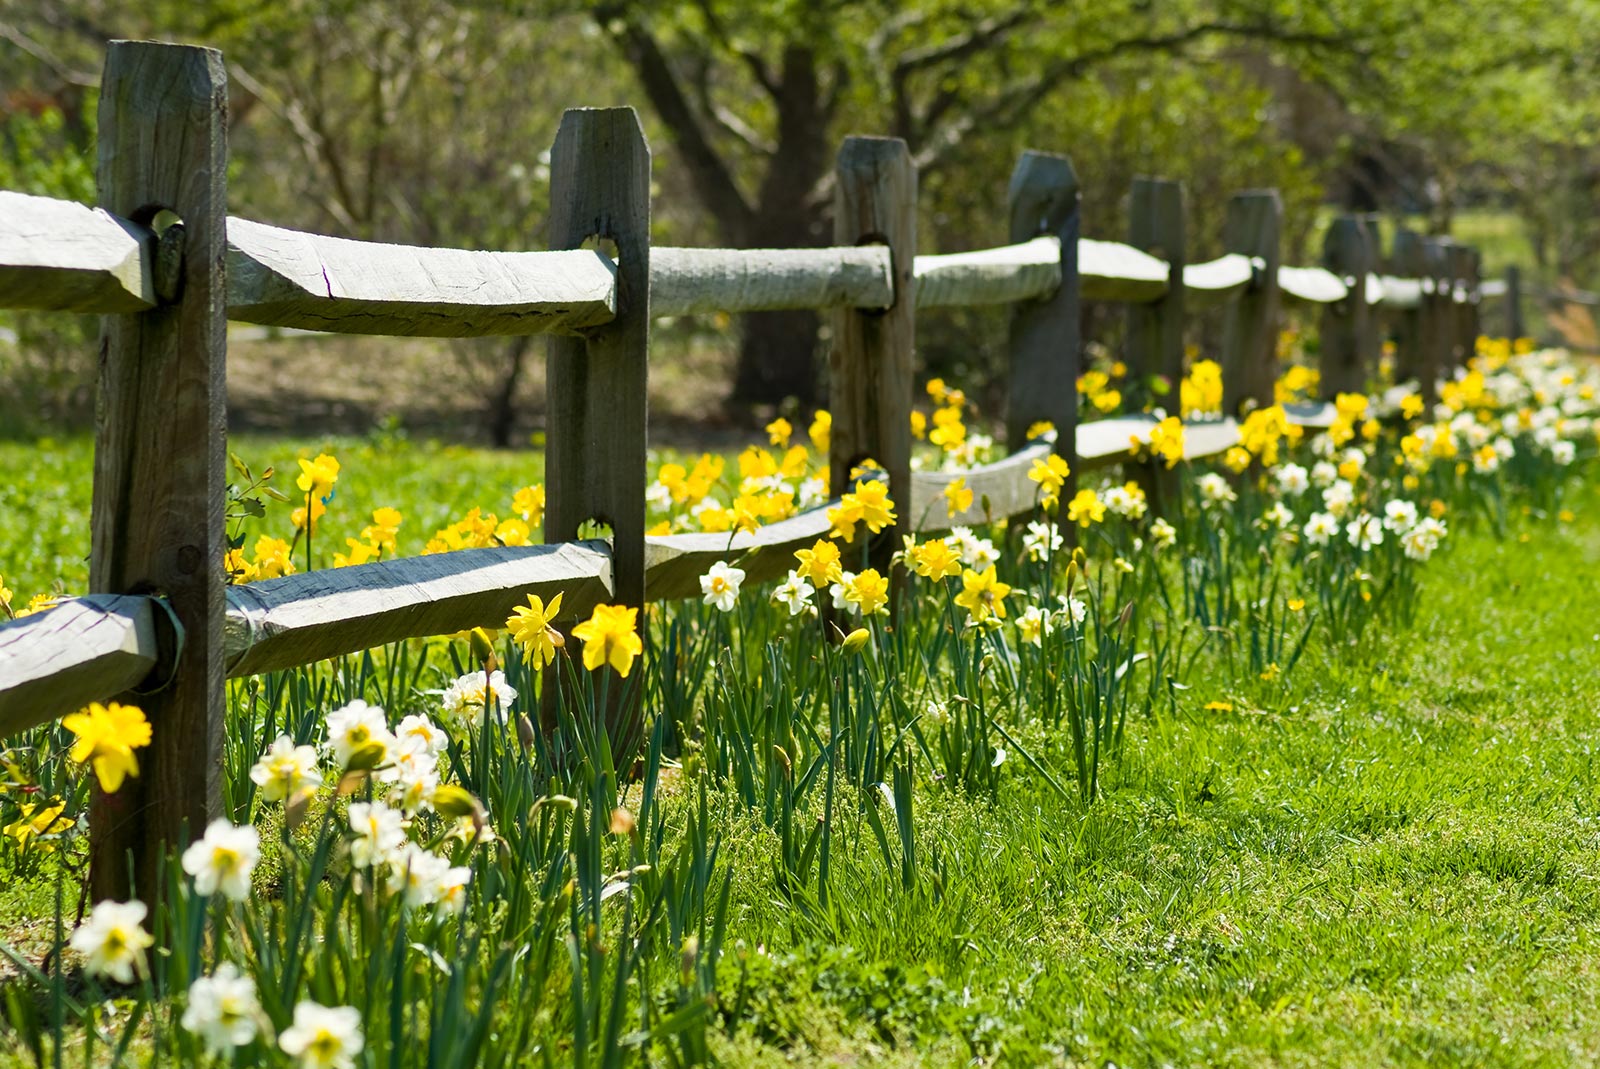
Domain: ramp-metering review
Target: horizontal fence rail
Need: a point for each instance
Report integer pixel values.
(61, 256)
(160, 242)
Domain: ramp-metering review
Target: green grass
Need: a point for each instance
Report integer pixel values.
(1391, 860)
(1396, 865)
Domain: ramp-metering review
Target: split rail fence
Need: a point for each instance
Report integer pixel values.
(165, 265)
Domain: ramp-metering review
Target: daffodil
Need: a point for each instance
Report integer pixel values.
(323, 1037)
(982, 595)
(936, 559)
(223, 859)
(112, 940)
(819, 564)
(107, 737)
(610, 636)
(868, 592)
(223, 1010)
(957, 496)
(532, 627)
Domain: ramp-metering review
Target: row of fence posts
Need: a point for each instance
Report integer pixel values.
(159, 485)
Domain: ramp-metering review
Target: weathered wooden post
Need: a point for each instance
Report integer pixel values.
(157, 525)
(1471, 282)
(1250, 333)
(595, 457)
(1409, 258)
(1438, 316)
(1155, 329)
(870, 382)
(1371, 338)
(1514, 326)
(1045, 347)
(1345, 252)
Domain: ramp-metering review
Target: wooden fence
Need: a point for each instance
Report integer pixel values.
(167, 268)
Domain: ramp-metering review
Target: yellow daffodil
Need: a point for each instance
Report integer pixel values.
(107, 737)
(531, 627)
(982, 594)
(1086, 508)
(819, 564)
(868, 591)
(936, 559)
(610, 636)
(957, 496)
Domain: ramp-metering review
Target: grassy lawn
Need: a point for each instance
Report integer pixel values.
(1391, 858)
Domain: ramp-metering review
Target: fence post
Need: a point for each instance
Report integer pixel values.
(870, 383)
(1371, 338)
(1514, 327)
(1438, 316)
(595, 456)
(1155, 330)
(1471, 311)
(1250, 333)
(1409, 259)
(1045, 347)
(157, 524)
(1346, 253)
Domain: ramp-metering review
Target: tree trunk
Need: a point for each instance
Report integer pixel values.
(503, 403)
(778, 350)
(777, 359)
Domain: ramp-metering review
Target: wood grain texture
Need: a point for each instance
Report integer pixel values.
(597, 384)
(1216, 282)
(287, 278)
(1027, 269)
(1155, 330)
(1045, 348)
(61, 256)
(157, 524)
(869, 365)
(595, 467)
(1345, 253)
(85, 649)
(311, 616)
(1250, 332)
(697, 281)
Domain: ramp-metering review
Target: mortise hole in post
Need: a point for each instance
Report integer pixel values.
(595, 527)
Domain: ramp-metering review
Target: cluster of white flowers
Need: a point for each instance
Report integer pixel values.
(1214, 490)
(1042, 540)
(1124, 502)
(464, 701)
(979, 554)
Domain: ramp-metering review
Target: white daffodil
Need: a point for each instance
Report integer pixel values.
(1042, 540)
(223, 1010)
(1364, 531)
(1399, 516)
(113, 940)
(379, 833)
(1034, 625)
(285, 770)
(323, 1037)
(354, 729)
(223, 859)
(1321, 527)
(720, 585)
(463, 702)
(1293, 480)
(795, 593)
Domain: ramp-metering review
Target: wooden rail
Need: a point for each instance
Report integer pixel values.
(166, 267)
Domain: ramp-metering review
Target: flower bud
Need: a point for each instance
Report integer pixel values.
(856, 640)
(482, 646)
(454, 802)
